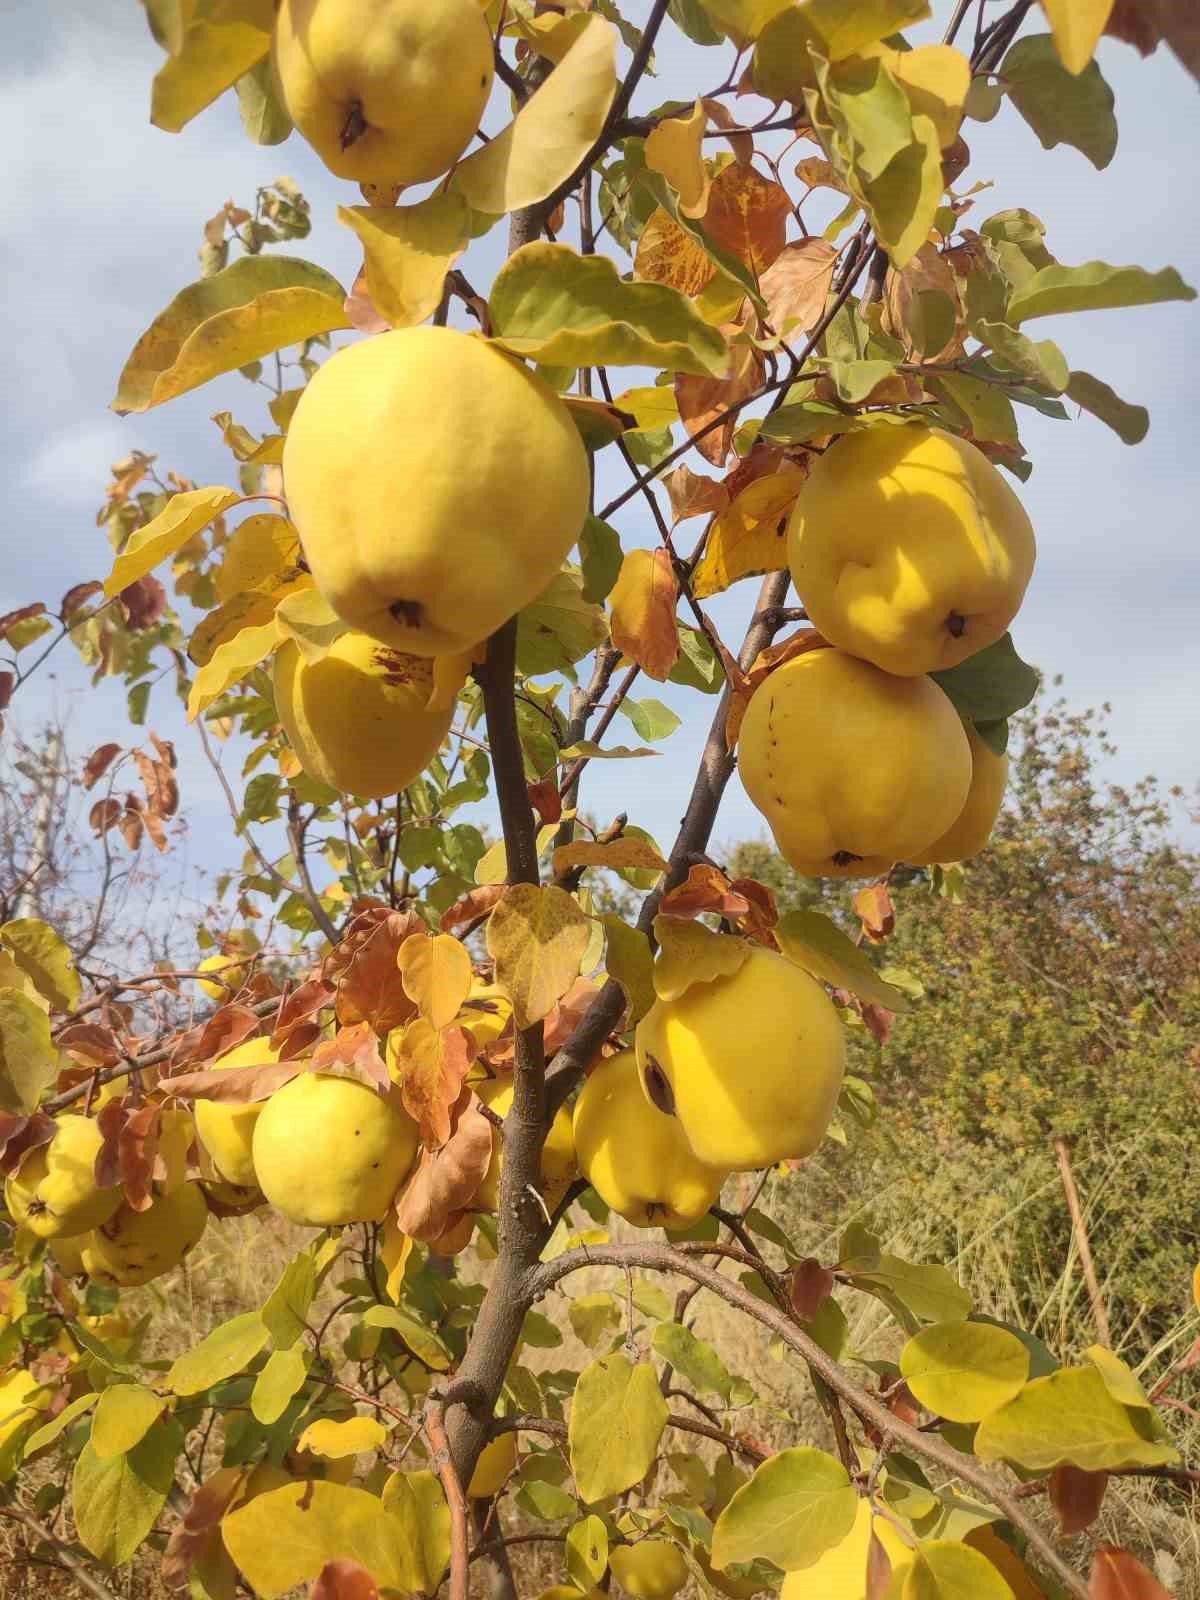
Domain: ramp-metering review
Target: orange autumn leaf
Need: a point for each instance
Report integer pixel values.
(748, 214)
(643, 611)
(702, 400)
(750, 537)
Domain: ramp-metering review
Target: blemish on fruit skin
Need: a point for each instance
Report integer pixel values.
(407, 612)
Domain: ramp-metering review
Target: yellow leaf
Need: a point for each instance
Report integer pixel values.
(220, 43)
(750, 536)
(667, 253)
(743, 20)
(943, 1569)
(417, 1504)
(935, 78)
(184, 516)
(307, 618)
(643, 611)
(689, 953)
(842, 30)
(230, 663)
(675, 148)
(492, 866)
(44, 959)
(261, 547)
(123, 1418)
(617, 853)
(552, 132)
(628, 960)
(250, 609)
(395, 1247)
(1077, 26)
(256, 306)
(904, 199)
(436, 973)
(653, 406)
(537, 937)
(336, 1440)
(283, 1538)
(408, 252)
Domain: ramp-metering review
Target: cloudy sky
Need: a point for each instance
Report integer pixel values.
(102, 221)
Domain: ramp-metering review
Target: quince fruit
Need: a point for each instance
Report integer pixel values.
(133, 1247)
(234, 972)
(636, 1158)
(909, 549)
(652, 1569)
(22, 1396)
(841, 1573)
(358, 718)
(496, 1461)
(559, 1165)
(853, 768)
(54, 1191)
(328, 1151)
(426, 549)
(385, 91)
(967, 837)
(227, 1131)
(485, 1012)
(751, 1064)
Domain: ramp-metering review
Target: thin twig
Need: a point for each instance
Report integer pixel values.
(460, 1546)
(1099, 1309)
(87, 1580)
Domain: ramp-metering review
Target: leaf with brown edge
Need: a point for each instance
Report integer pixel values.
(344, 1579)
(809, 1286)
(19, 1134)
(873, 906)
(76, 597)
(616, 853)
(536, 937)
(748, 215)
(702, 400)
(446, 1180)
(298, 1012)
(750, 537)
(431, 1066)
(1116, 1575)
(643, 602)
(797, 283)
(1076, 1496)
(98, 763)
(471, 908)
(361, 309)
(689, 953)
(238, 1086)
(370, 987)
(353, 1052)
(196, 1539)
(436, 973)
(668, 254)
(759, 922)
(692, 495)
(706, 888)
(545, 800)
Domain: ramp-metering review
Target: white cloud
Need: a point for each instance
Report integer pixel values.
(71, 467)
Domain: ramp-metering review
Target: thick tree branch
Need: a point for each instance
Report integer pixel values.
(661, 1258)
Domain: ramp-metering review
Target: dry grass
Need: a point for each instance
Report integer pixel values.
(240, 1259)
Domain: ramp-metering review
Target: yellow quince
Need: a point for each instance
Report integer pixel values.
(967, 836)
(54, 1191)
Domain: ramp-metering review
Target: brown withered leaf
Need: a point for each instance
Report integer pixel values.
(298, 1013)
(901, 1402)
(1076, 1496)
(763, 460)
(928, 273)
(138, 1160)
(76, 597)
(878, 1020)
(873, 907)
(1132, 22)
(198, 1535)
(748, 214)
(705, 889)
(455, 1236)
(213, 1037)
(817, 173)
(668, 254)
(98, 763)
(546, 801)
(90, 1044)
(432, 1068)
(21, 1134)
(796, 285)
(446, 1180)
(21, 614)
(238, 1086)
(370, 988)
(343, 1579)
(643, 602)
(105, 814)
(353, 1052)
(742, 144)
(692, 495)
(471, 908)
(1116, 1575)
(158, 780)
(763, 914)
(8, 682)
(879, 1569)
(701, 399)
(568, 1014)
(436, 972)
(143, 602)
(809, 1286)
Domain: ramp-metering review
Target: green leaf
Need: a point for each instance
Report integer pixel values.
(869, 110)
(408, 251)
(985, 406)
(599, 752)
(944, 1569)
(125, 1414)
(546, 1501)
(991, 684)
(1095, 286)
(223, 39)
(417, 1502)
(559, 628)
(807, 419)
(1130, 423)
(258, 305)
(1071, 1416)
(283, 1538)
(539, 1333)
(587, 1553)
(600, 558)
(630, 962)
(930, 1293)
(28, 1059)
(903, 201)
(650, 718)
(58, 1425)
(818, 945)
(1041, 361)
(797, 1505)
(221, 1353)
(183, 516)
(45, 959)
(422, 1341)
(277, 1385)
(617, 1418)
(116, 1502)
(593, 1317)
(964, 1370)
(1061, 107)
(698, 665)
(550, 304)
(854, 380)
(286, 1308)
(698, 1362)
